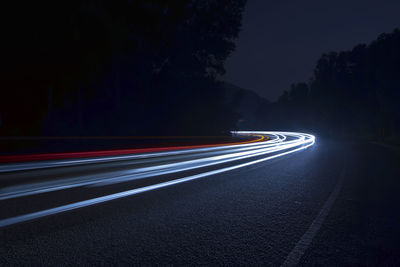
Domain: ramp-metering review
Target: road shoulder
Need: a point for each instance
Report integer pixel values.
(362, 228)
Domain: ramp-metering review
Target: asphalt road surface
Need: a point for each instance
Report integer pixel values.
(335, 203)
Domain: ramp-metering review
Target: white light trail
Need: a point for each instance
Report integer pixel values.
(287, 142)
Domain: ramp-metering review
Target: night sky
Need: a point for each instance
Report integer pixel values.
(281, 40)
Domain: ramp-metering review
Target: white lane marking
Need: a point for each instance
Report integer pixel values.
(93, 201)
(298, 251)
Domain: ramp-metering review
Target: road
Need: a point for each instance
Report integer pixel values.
(323, 205)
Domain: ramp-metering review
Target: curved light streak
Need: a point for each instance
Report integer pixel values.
(282, 142)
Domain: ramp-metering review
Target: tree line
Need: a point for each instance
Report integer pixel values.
(144, 67)
(351, 93)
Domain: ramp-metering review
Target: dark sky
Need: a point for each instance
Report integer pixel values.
(282, 39)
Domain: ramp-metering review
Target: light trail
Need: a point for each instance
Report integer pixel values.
(278, 144)
(147, 172)
(52, 160)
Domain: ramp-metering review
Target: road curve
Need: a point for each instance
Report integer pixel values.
(100, 179)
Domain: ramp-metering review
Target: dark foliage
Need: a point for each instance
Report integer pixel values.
(353, 93)
(143, 67)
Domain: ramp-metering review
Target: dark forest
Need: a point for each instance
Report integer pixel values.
(118, 68)
(154, 67)
(353, 93)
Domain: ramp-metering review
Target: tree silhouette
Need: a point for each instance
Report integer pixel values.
(118, 67)
(351, 93)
